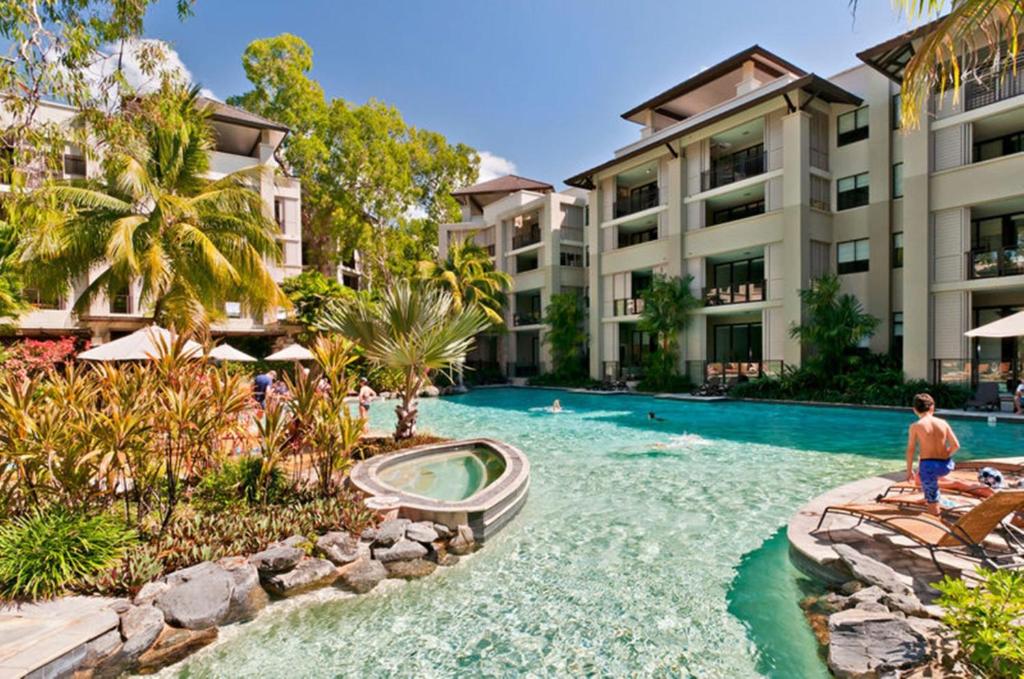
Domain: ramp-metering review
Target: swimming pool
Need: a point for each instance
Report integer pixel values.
(646, 547)
(452, 475)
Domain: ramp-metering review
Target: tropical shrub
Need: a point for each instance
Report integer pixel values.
(31, 357)
(987, 620)
(834, 325)
(566, 336)
(668, 304)
(468, 274)
(247, 480)
(310, 293)
(47, 550)
(661, 374)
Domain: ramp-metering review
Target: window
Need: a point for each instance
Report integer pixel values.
(897, 250)
(897, 111)
(571, 258)
(731, 214)
(852, 126)
(896, 345)
(998, 147)
(897, 180)
(637, 237)
(41, 301)
(852, 191)
(233, 309)
(279, 212)
(74, 165)
(852, 256)
(121, 302)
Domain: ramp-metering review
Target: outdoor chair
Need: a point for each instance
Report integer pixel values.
(962, 478)
(987, 397)
(967, 534)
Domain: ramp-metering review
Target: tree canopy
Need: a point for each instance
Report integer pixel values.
(834, 324)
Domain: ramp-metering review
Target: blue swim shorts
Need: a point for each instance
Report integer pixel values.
(930, 471)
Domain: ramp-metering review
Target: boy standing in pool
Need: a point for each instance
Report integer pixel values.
(937, 443)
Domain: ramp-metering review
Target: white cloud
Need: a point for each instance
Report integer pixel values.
(493, 166)
(143, 63)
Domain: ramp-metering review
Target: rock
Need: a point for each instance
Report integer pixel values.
(276, 559)
(173, 645)
(309, 574)
(828, 603)
(408, 570)
(140, 627)
(121, 606)
(149, 592)
(443, 558)
(443, 531)
(390, 532)
(463, 542)
(339, 547)
(872, 571)
(247, 598)
(910, 605)
(368, 534)
(363, 575)
(404, 550)
(422, 531)
(103, 648)
(430, 391)
(851, 587)
(866, 644)
(872, 606)
(868, 594)
(198, 597)
(296, 541)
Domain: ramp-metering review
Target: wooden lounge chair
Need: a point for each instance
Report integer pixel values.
(966, 534)
(961, 479)
(987, 397)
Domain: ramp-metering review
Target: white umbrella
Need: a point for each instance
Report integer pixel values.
(226, 352)
(1011, 326)
(292, 352)
(141, 345)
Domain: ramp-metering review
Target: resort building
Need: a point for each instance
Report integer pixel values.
(756, 177)
(536, 236)
(242, 140)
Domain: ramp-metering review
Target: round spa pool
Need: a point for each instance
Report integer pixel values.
(449, 475)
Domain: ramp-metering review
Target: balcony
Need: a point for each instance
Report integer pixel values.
(737, 293)
(733, 168)
(526, 238)
(532, 318)
(989, 89)
(640, 199)
(988, 263)
(633, 306)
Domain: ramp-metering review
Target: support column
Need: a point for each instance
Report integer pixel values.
(917, 311)
(796, 218)
(593, 241)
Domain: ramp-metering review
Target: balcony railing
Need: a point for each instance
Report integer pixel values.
(526, 238)
(615, 371)
(732, 169)
(987, 263)
(989, 89)
(526, 319)
(729, 373)
(628, 307)
(643, 199)
(514, 369)
(737, 293)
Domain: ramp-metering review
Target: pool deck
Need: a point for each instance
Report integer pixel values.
(812, 551)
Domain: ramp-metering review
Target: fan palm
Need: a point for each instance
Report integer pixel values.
(469, 275)
(412, 330)
(191, 243)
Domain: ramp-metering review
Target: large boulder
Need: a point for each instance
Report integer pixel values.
(199, 597)
(248, 598)
(173, 645)
(338, 547)
(149, 592)
(390, 532)
(869, 644)
(408, 570)
(429, 391)
(464, 541)
(421, 531)
(277, 559)
(872, 571)
(140, 626)
(363, 575)
(308, 574)
(403, 550)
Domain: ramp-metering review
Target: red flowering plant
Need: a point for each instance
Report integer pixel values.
(33, 357)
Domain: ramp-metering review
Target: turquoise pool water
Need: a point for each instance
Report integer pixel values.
(452, 476)
(646, 548)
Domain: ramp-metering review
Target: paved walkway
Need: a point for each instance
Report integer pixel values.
(51, 634)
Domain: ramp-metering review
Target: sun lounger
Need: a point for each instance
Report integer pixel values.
(967, 534)
(987, 397)
(961, 479)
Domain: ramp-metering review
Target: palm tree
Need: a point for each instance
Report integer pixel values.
(967, 38)
(835, 323)
(191, 243)
(412, 330)
(668, 303)
(469, 275)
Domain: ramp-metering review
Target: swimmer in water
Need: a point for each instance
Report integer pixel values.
(652, 416)
(556, 407)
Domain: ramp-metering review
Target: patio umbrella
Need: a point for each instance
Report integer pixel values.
(226, 352)
(142, 345)
(1011, 326)
(292, 352)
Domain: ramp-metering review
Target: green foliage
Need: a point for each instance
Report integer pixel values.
(872, 380)
(469, 275)
(668, 304)
(565, 335)
(45, 551)
(661, 374)
(554, 379)
(239, 482)
(363, 168)
(310, 293)
(11, 303)
(834, 325)
(987, 620)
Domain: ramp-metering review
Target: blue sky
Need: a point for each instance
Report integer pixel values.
(538, 84)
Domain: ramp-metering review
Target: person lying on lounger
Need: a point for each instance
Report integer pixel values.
(937, 443)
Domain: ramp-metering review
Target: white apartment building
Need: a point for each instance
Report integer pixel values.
(755, 177)
(242, 140)
(537, 236)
